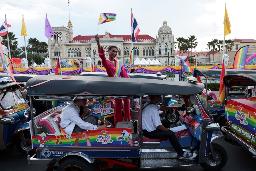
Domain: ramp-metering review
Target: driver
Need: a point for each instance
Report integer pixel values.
(153, 128)
(71, 120)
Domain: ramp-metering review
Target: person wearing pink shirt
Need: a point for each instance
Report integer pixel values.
(115, 69)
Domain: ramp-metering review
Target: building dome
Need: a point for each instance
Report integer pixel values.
(165, 29)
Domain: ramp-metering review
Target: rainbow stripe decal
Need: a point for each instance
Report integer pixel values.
(100, 138)
(240, 57)
(241, 113)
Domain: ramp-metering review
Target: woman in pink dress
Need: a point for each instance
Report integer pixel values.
(115, 69)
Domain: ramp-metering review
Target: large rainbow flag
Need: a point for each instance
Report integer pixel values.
(240, 57)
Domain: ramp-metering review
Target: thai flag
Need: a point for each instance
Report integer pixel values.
(135, 28)
(3, 30)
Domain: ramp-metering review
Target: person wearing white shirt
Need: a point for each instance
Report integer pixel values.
(153, 128)
(71, 120)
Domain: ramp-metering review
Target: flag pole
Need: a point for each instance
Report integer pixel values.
(8, 42)
(25, 45)
(132, 57)
(60, 65)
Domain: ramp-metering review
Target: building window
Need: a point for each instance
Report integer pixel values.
(135, 51)
(74, 52)
(56, 53)
(143, 52)
(153, 52)
(160, 50)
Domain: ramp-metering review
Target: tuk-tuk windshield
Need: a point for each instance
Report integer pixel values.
(10, 99)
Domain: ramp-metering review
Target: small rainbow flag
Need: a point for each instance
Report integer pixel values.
(106, 17)
(240, 57)
(186, 65)
(118, 68)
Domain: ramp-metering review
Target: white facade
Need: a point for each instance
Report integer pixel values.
(84, 48)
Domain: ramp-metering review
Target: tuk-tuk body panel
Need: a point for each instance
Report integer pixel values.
(241, 113)
(57, 153)
(111, 137)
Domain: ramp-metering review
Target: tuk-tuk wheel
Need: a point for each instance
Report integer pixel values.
(74, 164)
(217, 162)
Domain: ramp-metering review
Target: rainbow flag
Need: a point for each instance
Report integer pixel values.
(222, 86)
(106, 17)
(118, 68)
(240, 57)
(186, 65)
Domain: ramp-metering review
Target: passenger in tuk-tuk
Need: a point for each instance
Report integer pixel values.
(115, 69)
(153, 128)
(71, 120)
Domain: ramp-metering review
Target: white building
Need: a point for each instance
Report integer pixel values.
(84, 48)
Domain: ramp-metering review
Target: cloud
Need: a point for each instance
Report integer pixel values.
(202, 18)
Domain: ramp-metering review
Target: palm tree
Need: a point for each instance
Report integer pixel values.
(192, 43)
(13, 44)
(229, 44)
(182, 44)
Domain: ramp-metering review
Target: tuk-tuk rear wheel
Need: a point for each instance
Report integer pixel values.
(214, 164)
(74, 164)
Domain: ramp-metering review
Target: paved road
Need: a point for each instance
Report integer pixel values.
(239, 160)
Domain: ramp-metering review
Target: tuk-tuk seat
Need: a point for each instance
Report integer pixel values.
(48, 121)
(50, 125)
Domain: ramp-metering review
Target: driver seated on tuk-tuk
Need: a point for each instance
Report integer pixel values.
(71, 120)
(153, 128)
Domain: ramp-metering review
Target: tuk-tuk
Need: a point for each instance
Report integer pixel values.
(14, 114)
(122, 144)
(240, 110)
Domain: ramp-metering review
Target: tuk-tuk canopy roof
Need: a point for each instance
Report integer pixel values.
(216, 72)
(19, 77)
(77, 85)
(8, 84)
(240, 80)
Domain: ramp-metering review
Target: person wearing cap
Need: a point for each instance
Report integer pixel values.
(71, 120)
(153, 128)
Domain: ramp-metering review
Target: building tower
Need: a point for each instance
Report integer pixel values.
(165, 45)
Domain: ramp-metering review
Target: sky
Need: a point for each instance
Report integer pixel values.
(202, 18)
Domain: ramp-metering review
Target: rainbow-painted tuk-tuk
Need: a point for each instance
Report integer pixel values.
(240, 110)
(122, 144)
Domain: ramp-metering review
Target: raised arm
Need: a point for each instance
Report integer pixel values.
(98, 41)
(100, 50)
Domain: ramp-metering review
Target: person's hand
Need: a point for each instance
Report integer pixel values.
(97, 39)
(102, 126)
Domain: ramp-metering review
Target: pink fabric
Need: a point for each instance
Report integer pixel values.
(110, 66)
(119, 103)
(46, 124)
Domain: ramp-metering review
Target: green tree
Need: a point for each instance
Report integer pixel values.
(13, 44)
(192, 43)
(182, 44)
(35, 46)
(36, 51)
(229, 44)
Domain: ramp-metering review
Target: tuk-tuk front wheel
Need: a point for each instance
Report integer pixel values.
(74, 164)
(215, 163)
